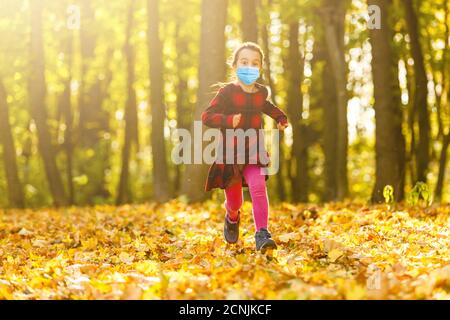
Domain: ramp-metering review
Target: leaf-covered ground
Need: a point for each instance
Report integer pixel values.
(176, 251)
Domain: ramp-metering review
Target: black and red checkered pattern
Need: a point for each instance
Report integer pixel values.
(230, 100)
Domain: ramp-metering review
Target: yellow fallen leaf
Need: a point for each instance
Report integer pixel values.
(39, 243)
(329, 245)
(109, 252)
(25, 232)
(355, 292)
(125, 257)
(132, 292)
(288, 236)
(90, 244)
(335, 254)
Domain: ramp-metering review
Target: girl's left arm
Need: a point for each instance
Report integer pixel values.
(275, 113)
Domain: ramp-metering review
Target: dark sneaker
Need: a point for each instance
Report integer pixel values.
(231, 229)
(264, 241)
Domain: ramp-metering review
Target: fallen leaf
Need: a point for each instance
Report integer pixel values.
(288, 236)
(335, 254)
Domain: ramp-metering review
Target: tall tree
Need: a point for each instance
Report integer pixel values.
(390, 144)
(93, 119)
(294, 73)
(420, 92)
(249, 20)
(184, 108)
(131, 118)
(402, 53)
(265, 40)
(212, 69)
(88, 125)
(329, 132)
(410, 151)
(323, 89)
(38, 108)
(442, 166)
(446, 90)
(15, 190)
(65, 106)
(333, 13)
(160, 171)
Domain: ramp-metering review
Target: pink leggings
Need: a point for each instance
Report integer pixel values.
(257, 187)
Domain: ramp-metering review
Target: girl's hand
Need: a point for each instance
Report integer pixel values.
(236, 119)
(282, 126)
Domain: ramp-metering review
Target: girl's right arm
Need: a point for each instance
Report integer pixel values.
(214, 115)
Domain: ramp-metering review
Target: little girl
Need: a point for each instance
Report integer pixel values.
(240, 104)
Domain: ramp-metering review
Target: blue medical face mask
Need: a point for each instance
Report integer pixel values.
(247, 75)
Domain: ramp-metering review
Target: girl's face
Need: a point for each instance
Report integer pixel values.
(248, 58)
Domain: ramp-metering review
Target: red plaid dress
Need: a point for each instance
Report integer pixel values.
(229, 101)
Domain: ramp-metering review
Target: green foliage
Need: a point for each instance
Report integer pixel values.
(388, 194)
(419, 192)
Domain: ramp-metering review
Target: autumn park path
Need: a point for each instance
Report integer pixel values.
(176, 251)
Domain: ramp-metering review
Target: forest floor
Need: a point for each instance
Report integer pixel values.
(177, 251)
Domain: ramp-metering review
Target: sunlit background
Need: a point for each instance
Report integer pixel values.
(89, 47)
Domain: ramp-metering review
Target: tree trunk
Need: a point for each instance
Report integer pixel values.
(183, 106)
(38, 108)
(66, 111)
(267, 69)
(212, 69)
(420, 92)
(389, 146)
(89, 112)
(445, 137)
(410, 154)
(334, 24)
(161, 190)
(329, 142)
(401, 142)
(294, 73)
(15, 191)
(93, 120)
(249, 20)
(330, 131)
(442, 167)
(131, 119)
